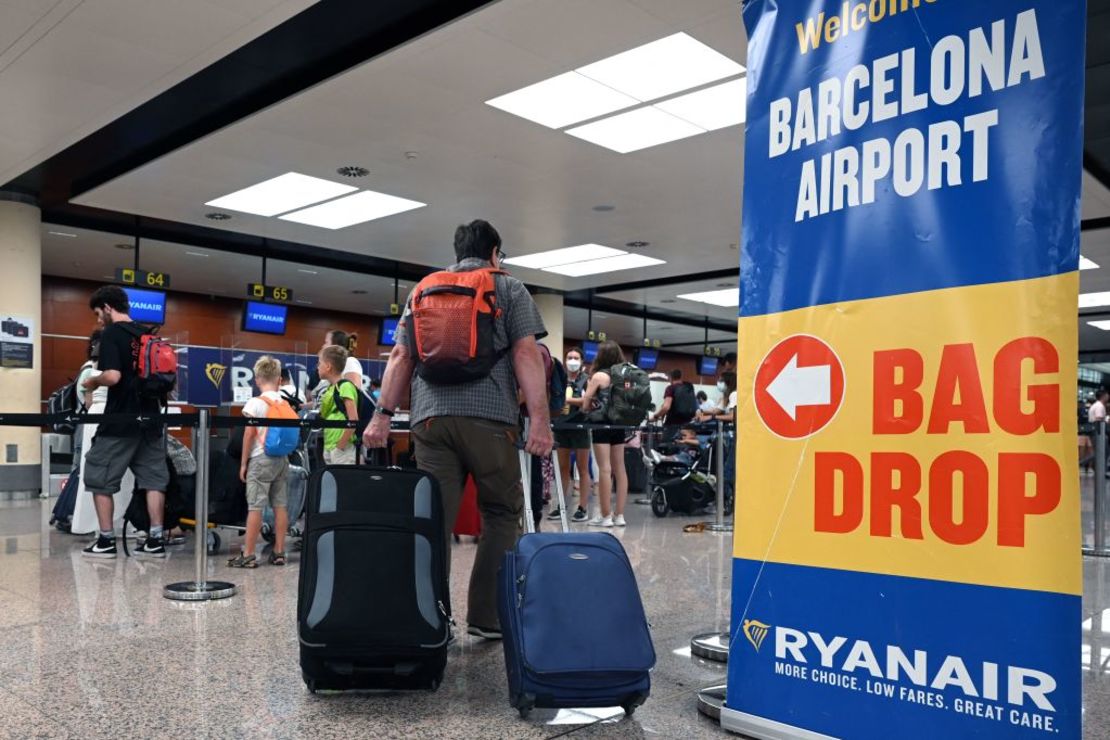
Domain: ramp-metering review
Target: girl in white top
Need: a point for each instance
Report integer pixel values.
(352, 371)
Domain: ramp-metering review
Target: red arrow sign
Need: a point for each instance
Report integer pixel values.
(799, 387)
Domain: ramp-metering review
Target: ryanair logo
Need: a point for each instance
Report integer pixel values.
(215, 372)
(756, 632)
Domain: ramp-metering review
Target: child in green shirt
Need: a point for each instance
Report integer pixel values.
(339, 448)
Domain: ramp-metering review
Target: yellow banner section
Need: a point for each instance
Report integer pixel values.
(944, 444)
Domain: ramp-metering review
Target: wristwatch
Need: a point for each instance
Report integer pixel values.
(386, 412)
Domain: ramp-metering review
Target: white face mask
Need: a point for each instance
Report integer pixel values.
(574, 365)
(721, 386)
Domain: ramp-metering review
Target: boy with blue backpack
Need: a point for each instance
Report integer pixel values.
(265, 463)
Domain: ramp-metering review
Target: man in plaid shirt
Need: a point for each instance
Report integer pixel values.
(473, 427)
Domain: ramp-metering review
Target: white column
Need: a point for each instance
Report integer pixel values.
(551, 310)
(21, 297)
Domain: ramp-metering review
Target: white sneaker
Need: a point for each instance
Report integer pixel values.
(618, 521)
(598, 521)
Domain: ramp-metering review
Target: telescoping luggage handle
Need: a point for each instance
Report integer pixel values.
(525, 479)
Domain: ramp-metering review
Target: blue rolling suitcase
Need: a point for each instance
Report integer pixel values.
(552, 663)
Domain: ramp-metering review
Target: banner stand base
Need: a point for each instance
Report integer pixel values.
(765, 729)
(711, 701)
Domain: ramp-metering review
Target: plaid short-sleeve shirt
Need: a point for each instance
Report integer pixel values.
(493, 397)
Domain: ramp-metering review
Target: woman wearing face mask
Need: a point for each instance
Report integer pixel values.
(727, 410)
(574, 439)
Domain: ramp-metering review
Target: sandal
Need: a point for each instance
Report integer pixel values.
(277, 558)
(243, 561)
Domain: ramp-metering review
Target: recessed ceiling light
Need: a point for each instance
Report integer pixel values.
(606, 264)
(1087, 264)
(564, 256)
(1094, 300)
(304, 303)
(353, 209)
(358, 291)
(726, 285)
(307, 272)
(196, 254)
(562, 100)
(217, 216)
(637, 244)
(714, 108)
(604, 208)
(124, 245)
(353, 170)
(280, 194)
(669, 65)
(635, 130)
(729, 298)
(108, 277)
(64, 234)
(668, 300)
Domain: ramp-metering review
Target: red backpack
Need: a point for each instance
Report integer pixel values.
(157, 366)
(450, 329)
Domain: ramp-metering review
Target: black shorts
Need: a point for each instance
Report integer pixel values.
(572, 439)
(612, 436)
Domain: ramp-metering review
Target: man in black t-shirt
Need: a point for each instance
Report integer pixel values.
(118, 446)
(680, 402)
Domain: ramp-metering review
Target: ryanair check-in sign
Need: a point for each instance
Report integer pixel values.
(907, 555)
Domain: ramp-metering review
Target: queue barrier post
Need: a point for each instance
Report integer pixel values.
(1099, 511)
(719, 524)
(714, 645)
(200, 588)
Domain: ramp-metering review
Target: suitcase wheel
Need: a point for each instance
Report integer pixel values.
(311, 686)
(630, 706)
(213, 540)
(524, 705)
(659, 502)
(268, 533)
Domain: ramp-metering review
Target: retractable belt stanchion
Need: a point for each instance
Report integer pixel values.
(719, 524)
(1099, 512)
(200, 588)
(714, 645)
(647, 441)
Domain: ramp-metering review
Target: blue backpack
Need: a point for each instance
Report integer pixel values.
(281, 441)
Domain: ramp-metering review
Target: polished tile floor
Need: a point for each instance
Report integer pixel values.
(91, 649)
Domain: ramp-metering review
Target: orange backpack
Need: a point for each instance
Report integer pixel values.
(451, 327)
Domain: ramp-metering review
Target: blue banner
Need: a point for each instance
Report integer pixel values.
(907, 555)
(208, 376)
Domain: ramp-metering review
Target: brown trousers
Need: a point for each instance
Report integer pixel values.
(449, 448)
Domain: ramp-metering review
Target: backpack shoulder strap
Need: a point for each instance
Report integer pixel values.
(338, 400)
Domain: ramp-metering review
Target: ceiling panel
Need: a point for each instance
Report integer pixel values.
(628, 331)
(469, 160)
(69, 67)
(666, 298)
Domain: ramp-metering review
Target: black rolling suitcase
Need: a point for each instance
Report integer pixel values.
(372, 605)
